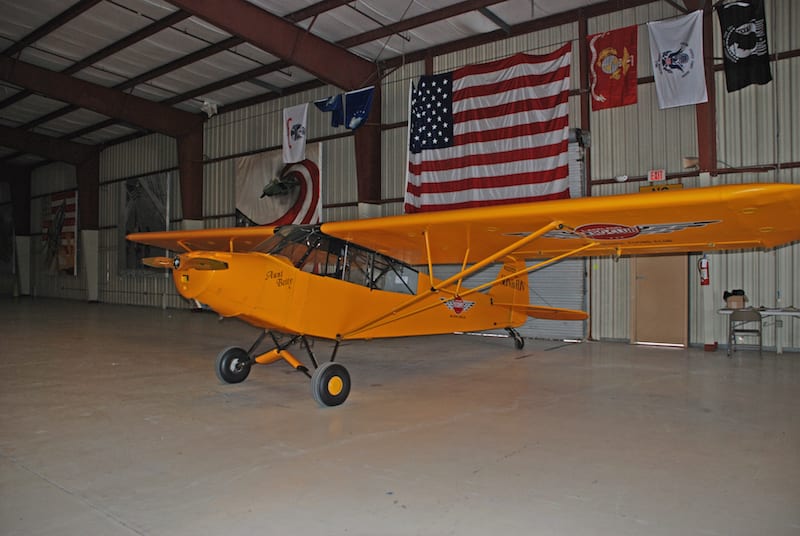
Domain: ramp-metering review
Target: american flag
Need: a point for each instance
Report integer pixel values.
(490, 134)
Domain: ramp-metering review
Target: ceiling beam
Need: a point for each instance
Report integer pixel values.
(110, 102)
(110, 50)
(56, 22)
(492, 16)
(415, 22)
(45, 146)
(133, 82)
(315, 9)
(535, 25)
(327, 61)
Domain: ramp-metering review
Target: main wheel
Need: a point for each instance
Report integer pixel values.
(233, 365)
(330, 384)
(519, 342)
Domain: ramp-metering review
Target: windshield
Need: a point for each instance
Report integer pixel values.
(310, 250)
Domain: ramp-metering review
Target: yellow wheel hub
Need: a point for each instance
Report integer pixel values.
(335, 386)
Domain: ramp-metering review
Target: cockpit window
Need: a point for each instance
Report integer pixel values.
(310, 250)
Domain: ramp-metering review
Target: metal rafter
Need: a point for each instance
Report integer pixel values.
(415, 22)
(280, 37)
(315, 9)
(103, 100)
(45, 146)
(593, 10)
(51, 25)
(110, 50)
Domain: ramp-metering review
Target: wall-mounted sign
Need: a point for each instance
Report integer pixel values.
(657, 175)
(660, 187)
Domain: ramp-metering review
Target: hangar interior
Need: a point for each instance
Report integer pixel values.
(111, 422)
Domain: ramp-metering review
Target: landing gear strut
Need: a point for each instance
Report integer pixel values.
(330, 382)
(519, 342)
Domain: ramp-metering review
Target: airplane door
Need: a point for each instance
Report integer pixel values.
(659, 300)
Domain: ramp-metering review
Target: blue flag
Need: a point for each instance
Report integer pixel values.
(332, 104)
(350, 109)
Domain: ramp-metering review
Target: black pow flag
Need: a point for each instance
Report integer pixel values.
(744, 42)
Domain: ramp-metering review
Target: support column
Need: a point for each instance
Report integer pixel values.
(20, 185)
(368, 153)
(22, 268)
(190, 166)
(706, 113)
(708, 305)
(88, 173)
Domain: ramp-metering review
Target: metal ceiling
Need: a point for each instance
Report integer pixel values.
(99, 71)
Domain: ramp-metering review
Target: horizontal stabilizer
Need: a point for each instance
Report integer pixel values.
(548, 313)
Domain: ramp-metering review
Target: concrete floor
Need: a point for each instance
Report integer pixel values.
(114, 423)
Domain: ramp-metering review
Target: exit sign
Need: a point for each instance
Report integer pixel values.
(656, 175)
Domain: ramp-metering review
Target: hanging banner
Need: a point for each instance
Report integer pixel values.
(676, 48)
(490, 134)
(744, 43)
(294, 133)
(271, 192)
(350, 109)
(612, 57)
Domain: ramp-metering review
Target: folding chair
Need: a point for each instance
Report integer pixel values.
(744, 323)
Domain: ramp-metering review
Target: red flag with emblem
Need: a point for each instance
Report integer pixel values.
(612, 61)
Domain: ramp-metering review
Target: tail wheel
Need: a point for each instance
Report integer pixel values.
(233, 365)
(330, 384)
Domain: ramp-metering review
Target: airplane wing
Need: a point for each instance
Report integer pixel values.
(700, 219)
(239, 239)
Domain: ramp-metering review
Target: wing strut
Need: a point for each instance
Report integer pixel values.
(530, 269)
(457, 277)
(428, 252)
(381, 321)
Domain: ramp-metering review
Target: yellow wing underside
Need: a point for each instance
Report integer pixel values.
(701, 219)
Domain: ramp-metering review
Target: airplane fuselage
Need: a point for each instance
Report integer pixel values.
(268, 291)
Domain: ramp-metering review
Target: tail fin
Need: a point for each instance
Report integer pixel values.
(514, 290)
(514, 294)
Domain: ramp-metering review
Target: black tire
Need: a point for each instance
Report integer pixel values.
(519, 342)
(330, 384)
(233, 365)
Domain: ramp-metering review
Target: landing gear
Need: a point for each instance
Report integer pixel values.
(330, 382)
(233, 365)
(519, 342)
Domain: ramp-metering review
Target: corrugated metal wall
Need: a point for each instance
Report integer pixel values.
(756, 126)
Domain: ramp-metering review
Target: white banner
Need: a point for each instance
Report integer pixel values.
(269, 192)
(294, 133)
(676, 49)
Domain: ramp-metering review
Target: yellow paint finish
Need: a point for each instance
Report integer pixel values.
(739, 211)
(335, 386)
(270, 293)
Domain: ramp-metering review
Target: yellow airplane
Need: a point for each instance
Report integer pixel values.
(375, 278)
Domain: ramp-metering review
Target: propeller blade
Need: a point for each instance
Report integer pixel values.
(158, 262)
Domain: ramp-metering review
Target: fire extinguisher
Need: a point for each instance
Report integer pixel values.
(703, 267)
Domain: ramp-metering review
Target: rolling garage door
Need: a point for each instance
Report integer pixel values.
(559, 285)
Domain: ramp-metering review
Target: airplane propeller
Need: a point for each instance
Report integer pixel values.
(196, 263)
(158, 262)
